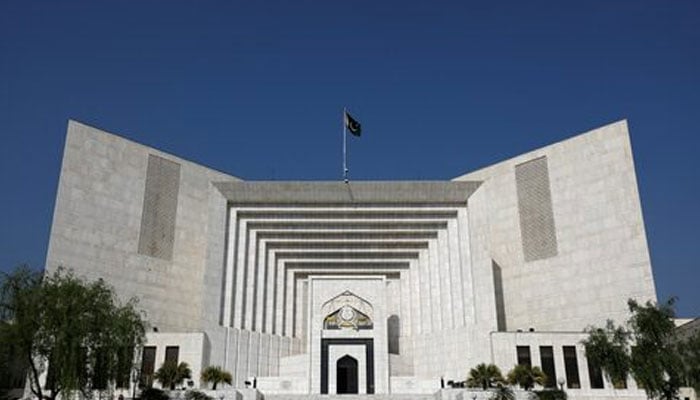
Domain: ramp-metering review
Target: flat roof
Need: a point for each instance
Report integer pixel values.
(351, 193)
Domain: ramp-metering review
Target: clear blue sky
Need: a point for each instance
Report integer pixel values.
(256, 89)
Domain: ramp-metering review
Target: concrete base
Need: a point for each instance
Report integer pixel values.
(283, 385)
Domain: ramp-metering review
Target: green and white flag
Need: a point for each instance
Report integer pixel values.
(353, 126)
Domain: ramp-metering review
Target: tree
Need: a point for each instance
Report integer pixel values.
(655, 362)
(17, 326)
(214, 374)
(608, 348)
(484, 376)
(171, 374)
(526, 376)
(13, 366)
(689, 350)
(75, 331)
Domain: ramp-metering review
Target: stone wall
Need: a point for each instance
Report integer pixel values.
(98, 221)
(600, 257)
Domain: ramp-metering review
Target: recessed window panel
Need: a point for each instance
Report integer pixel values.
(547, 360)
(524, 355)
(571, 367)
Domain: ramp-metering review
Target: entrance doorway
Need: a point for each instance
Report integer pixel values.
(336, 369)
(346, 375)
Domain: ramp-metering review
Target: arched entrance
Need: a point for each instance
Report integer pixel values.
(346, 375)
(334, 364)
(347, 338)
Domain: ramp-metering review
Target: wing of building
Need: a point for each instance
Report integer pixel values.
(362, 287)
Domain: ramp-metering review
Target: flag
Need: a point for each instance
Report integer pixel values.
(353, 126)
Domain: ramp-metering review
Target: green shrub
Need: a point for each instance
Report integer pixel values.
(551, 394)
(154, 394)
(503, 392)
(197, 395)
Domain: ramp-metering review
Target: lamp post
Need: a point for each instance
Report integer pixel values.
(134, 382)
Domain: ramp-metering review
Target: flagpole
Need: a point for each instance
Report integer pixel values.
(345, 147)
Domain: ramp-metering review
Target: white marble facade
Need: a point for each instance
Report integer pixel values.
(403, 284)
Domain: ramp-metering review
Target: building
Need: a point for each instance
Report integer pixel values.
(362, 287)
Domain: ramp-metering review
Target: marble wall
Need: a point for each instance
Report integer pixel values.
(454, 267)
(602, 257)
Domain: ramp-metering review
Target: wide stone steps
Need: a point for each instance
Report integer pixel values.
(349, 397)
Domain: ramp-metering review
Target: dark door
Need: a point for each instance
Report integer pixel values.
(346, 375)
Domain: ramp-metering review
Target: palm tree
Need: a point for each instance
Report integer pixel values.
(171, 374)
(526, 376)
(215, 375)
(484, 376)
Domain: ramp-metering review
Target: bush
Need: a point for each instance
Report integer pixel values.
(197, 395)
(171, 374)
(526, 376)
(551, 394)
(503, 392)
(154, 394)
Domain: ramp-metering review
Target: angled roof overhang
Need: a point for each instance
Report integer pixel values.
(352, 193)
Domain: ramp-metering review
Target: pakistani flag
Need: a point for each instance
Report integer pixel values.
(353, 126)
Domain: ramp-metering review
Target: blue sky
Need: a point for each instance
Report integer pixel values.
(256, 89)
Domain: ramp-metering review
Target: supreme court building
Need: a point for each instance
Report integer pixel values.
(309, 287)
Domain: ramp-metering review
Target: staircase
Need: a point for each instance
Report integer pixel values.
(349, 397)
